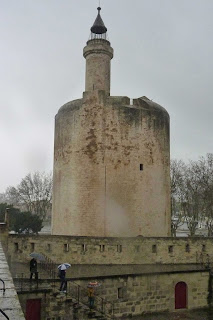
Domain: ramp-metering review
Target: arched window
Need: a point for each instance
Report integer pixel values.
(181, 295)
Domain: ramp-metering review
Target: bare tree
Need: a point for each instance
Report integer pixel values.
(205, 172)
(191, 194)
(192, 204)
(2, 197)
(34, 193)
(177, 196)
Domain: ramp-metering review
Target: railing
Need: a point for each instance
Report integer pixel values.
(3, 285)
(4, 314)
(49, 266)
(23, 283)
(80, 296)
(4, 289)
(77, 293)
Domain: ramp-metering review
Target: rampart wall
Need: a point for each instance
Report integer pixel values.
(129, 295)
(105, 251)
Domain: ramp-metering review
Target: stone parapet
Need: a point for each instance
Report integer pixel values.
(117, 251)
(9, 302)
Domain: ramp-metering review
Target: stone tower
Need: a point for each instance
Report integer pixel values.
(111, 158)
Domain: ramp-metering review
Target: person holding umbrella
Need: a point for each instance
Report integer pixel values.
(91, 297)
(62, 275)
(91, 293)
(33, 269)
(33, 264)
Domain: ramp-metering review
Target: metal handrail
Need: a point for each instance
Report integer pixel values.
(103, 302)
(49, 265)
(4, 314)
(80, 294)
(4, 289)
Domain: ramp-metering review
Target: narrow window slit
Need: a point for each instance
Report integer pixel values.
(170, 249)
(66, 247)
(154, 248)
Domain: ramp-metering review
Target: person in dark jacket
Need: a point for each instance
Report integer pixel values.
(62, 275)
(33, 269)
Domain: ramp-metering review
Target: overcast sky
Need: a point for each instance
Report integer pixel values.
(163, 50)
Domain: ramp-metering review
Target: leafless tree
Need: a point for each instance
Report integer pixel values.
(34, 193)
(2, 197)
(192, 205)
(177, 168)
(205, 173)
(192, 194)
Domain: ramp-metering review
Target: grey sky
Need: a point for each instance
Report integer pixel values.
(163, 50)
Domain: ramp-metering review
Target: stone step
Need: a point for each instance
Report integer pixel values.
(95, 315)
(97, 318)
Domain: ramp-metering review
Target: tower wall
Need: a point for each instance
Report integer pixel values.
(111, 160)
(101, 145)
(98, 55)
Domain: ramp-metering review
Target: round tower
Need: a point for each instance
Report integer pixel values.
(111, 159)
(98, 54)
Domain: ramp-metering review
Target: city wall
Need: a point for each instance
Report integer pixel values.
(146, 270)
(154, 293)
(106, 251)
(131, 295)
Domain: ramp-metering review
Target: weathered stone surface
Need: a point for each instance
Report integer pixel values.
(9, 302)
(111, 160)
(99, 189)
(139, 299)
(87, 250)
(98, 54)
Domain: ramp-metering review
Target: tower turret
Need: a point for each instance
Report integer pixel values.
(98, 54)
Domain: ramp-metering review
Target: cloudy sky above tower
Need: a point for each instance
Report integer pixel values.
(162, 49)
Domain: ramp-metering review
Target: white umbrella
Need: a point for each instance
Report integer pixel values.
(64, 266)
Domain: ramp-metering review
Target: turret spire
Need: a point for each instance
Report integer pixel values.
(98, 26)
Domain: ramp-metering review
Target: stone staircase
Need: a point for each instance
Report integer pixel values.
(76, 295)
(75, 299)
(81, 311)
(98, 313)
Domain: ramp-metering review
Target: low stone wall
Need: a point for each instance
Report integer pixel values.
(131, 295)
(154, 292)
(9, 302)
(19, 270)
(88, 250)
(4, 235)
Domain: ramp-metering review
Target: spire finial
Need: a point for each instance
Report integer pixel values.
(98, 26)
